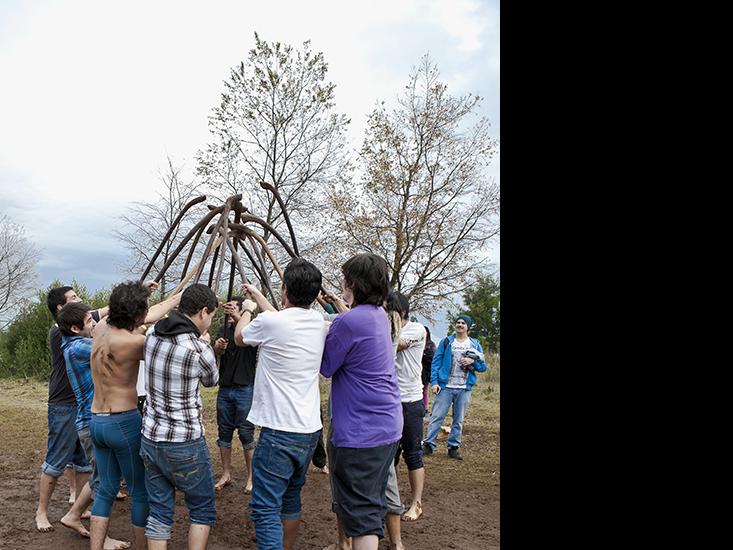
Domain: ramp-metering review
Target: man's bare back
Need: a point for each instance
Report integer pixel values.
(116, 355)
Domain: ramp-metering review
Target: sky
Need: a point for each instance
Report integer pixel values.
(95, 95)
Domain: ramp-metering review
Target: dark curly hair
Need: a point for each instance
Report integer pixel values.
(128, 305)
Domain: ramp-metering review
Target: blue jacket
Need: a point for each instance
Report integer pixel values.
(440, 369)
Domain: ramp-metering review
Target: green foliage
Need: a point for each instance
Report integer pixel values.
(24, 350)
(483, 301)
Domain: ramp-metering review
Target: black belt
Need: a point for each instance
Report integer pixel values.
(111, 413)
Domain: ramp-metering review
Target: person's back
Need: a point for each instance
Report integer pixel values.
(173, 355)
(115, 361)
(286, 401)
(365, 393)
(116, 422)
(365, 399)
(409, 361)
(178, 358)
(286, 393)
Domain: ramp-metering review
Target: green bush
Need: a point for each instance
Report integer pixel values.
(24, 350)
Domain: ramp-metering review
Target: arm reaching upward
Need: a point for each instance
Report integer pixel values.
(253, 293)
(158, 311)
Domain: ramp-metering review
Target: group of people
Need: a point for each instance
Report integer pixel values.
(268, 368)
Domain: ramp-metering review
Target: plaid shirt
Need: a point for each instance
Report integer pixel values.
(77, 352)
(174, 367)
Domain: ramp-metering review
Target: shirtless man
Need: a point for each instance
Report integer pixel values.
(76, 325)
(116, 422)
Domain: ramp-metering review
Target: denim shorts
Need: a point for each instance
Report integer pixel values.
(232, 407)
(63, 442)
(185, 466)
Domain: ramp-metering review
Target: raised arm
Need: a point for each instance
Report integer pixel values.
(248, 309)
(103, 312)
(254, 293)
(334, 301)
(158, 311)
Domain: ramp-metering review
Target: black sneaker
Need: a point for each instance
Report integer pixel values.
(455, 453)
(427, 449)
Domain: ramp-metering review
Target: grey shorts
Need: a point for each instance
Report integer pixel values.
(85, 438)
(394, 504)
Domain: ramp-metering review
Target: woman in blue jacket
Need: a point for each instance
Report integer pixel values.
(453, 373)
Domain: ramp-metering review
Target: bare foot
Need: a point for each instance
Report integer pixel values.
(87, 514)
(114, 544)
(396, 546)
(323, 470)
(248, 488)
(445, 429)
(42, 523)
(121, 495)
(74, 525)
(72, 497)
(223, 482)
(413, 513)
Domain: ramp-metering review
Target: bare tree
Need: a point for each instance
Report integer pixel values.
(18, 261)
(424, 202)
(146, 223)
(276, 128)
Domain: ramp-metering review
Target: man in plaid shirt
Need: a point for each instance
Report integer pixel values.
(178, 358)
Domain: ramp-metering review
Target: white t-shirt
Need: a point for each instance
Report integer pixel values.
(458, 375)
(141, 370)
(409, 362)
(286, 395)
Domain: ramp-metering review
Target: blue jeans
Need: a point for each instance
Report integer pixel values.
(116, 440)
(232, 407)
(459, 399)
(185, 466)
(279, 466)
(63, 442)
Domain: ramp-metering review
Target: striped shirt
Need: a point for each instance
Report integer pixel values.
(77, 352)
(174, 366)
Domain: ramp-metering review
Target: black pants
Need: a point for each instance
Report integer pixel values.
(410, 446)
(319, 455)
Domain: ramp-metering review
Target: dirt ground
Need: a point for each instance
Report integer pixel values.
(461, 499)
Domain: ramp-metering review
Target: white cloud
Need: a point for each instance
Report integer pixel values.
(95, 94)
